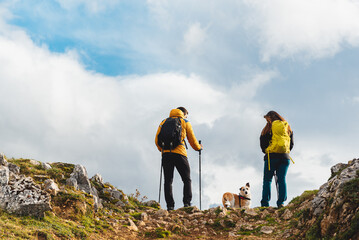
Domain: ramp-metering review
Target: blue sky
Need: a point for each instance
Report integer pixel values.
(89, 82)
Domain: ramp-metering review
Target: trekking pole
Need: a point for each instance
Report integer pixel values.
(159, 192)
(200, 187)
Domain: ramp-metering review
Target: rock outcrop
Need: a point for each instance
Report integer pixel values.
(338, 200)
(79, 180)
(20, 194)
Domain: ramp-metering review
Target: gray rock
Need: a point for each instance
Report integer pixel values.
(97, 203)
(97, 199)
(267, 229)
(333, 187)
(287, 214)
(24, 197)
(3, 161)
(79, 179)
(97, 178)
(34, 162)
(14, 168)
(114, 194)
(72, 182)
(251, 211)
(144, 217)
(119, 203)
(152, 203)
(319, 201)
(132, 225)
(51, 187)
(161, 213)
(336, 168)
(46, 166)
(4, 175)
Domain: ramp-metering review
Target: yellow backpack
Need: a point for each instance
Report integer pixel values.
(280, 142)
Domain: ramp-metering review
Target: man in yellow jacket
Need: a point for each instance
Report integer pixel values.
(177, 157)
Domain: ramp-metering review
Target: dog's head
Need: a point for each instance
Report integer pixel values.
(245, 191)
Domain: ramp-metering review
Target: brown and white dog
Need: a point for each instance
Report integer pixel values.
(241, 200)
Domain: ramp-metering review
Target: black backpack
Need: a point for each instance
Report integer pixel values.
(170, 135)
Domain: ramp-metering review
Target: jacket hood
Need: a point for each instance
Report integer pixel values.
(176, 113)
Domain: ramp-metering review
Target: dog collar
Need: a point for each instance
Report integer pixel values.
(243, 197)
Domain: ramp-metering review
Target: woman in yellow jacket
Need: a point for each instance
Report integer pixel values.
(178, 158)
(276, 141)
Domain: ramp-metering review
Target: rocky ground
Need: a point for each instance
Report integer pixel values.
(59, 201)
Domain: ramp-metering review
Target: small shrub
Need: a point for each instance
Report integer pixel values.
(158, 233)
(229, 223)
(136, 215)
(271, 220)
(218, 210)
(314, 231)
(161, 233)
(245, 231)
(350, 191)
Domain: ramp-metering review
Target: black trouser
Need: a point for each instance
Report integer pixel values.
(169, 161)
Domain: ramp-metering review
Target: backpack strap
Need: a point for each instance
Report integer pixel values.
(185, 144)
(184, 140)
(268, 162)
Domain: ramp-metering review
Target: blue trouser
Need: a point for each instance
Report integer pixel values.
(278, 167)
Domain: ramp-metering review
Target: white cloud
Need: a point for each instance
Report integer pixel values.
(315, 29)
(194, 38)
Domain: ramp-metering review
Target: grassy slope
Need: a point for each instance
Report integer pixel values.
(73, 216)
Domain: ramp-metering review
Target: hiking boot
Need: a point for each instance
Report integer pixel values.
(187, 205)
(170, 208)
(280, 206)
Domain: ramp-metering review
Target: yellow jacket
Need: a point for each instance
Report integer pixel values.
(187, 131)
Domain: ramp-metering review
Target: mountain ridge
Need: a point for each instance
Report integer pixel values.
(59, 201)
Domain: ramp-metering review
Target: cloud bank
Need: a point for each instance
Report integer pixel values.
(55, 110)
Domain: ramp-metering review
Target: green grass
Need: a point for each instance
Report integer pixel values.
(246, 232)
(24, 227)
(158, 233)
(350, 191)
(305, 196)
(271, 220)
